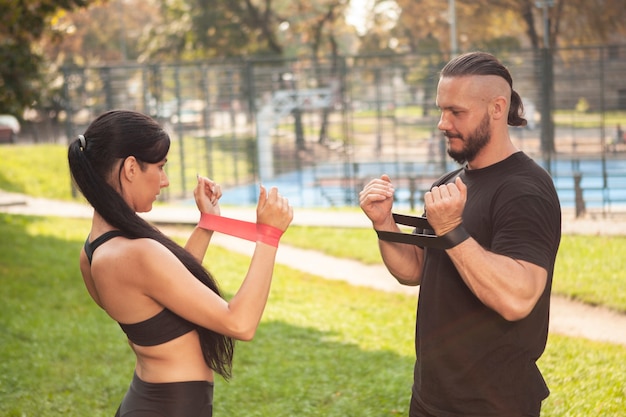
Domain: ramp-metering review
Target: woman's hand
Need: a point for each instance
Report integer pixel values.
(273, 209)
(207, 194)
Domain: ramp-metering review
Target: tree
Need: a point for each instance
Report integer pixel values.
(23, 24)
(197, 29)
(570, 22)
(493, 24)
(103, 33)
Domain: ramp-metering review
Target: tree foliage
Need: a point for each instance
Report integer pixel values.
(51, 33)
(105, 32)
(494, 24)
(195, 29)
(23, 24)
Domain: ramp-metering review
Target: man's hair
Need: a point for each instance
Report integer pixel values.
(483, 63)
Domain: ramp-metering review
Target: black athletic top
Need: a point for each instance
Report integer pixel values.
(158, 329)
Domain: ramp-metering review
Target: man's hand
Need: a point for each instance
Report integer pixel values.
(376, 200)
(444, 206)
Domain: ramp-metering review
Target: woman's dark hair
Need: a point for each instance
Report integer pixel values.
(110, 139)
(482, 63)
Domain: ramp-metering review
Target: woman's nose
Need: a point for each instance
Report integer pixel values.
(165, 181)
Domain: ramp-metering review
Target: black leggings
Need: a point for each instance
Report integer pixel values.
(172, 399)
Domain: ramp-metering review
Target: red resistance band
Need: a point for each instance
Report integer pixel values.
(254, 232)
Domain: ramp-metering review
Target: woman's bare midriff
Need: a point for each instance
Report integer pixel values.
(178, 360)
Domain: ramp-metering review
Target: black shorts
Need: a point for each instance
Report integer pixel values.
(172, 399)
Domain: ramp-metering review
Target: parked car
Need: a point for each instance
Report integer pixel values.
(9, 128)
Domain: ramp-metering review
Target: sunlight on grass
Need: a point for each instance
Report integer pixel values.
(592, 269)
(37, 170)
(344, 242)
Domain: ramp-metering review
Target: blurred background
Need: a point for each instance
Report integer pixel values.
(319, 96)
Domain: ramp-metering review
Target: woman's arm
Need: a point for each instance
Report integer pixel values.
(207, 194)
(168, 282)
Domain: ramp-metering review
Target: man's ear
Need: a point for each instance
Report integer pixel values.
(130, 168)
(499, 108)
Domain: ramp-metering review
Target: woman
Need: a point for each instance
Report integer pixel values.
(178, 325)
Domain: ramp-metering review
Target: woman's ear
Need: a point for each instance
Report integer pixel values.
(129, 168)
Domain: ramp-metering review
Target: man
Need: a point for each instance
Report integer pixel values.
(484, 297)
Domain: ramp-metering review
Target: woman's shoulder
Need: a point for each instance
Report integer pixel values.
(124, 256)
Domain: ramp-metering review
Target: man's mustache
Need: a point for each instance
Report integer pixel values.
(452, 135)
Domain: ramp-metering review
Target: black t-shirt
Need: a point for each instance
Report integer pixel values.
(470, 360)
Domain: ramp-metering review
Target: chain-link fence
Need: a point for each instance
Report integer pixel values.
(320, 128)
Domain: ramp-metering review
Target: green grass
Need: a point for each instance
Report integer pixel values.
(37, 170)
(592, 269)
(342, 242)
(43, 171)
(324, 348)
(586, 120)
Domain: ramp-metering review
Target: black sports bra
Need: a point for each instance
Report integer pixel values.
(158, 329)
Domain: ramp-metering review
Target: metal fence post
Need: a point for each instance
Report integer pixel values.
(180, 129)
(578, 194)
(547, 125)
(67, 102)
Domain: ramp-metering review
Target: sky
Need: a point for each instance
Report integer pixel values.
(357, 13)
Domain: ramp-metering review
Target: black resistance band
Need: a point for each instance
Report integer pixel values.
(447, 241)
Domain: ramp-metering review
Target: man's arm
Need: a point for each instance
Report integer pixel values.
(508, 286)
(403, 261)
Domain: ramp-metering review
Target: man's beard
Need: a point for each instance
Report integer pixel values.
(473, 143)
